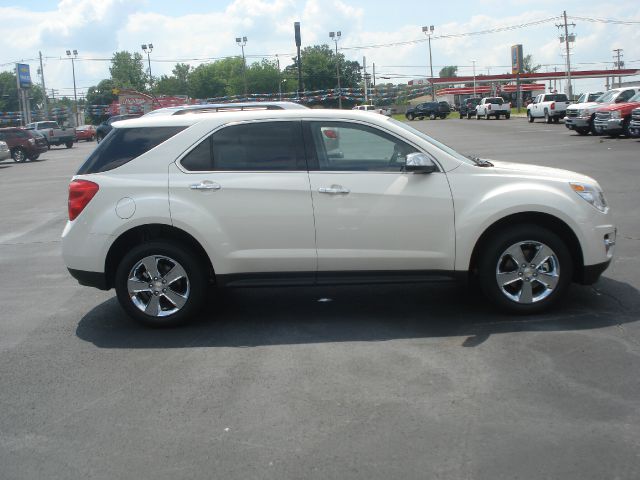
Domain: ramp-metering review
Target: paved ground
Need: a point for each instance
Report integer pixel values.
(401, 382)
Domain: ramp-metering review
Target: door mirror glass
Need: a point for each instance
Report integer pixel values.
(420, 163)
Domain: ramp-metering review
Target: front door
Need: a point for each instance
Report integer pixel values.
(370, 215)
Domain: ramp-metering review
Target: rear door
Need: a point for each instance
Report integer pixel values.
(370, 215)
(244, 192)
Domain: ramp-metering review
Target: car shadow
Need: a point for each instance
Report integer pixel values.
(269, 316)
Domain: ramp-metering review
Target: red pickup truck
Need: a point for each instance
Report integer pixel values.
(615, 119)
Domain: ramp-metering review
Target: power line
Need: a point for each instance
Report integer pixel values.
(606, 20)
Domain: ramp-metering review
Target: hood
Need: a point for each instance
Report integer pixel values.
(619, 106)
(536, 171)
(584, 106)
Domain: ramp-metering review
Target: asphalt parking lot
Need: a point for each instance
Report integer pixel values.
(401, 381)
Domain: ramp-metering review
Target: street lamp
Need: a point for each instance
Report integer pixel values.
(148, 49)
(335, 36)
(73, 69)
(428, 31)
(242, 41)
(474, 77)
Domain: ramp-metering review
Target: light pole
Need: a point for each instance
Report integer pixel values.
(428, 31)
(242, 41)
(474, 77)
(148, 49)
(73, 69)
(335, 36)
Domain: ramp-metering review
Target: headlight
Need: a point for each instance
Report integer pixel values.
(615, 114)
(591, 194)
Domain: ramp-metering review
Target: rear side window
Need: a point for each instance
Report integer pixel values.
(264, 146)
(43, 125)
(123, 145)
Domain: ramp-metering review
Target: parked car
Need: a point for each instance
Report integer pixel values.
(550, 106)
(588, 97)
(372, 108)
(493, 107)
(468, 107)
(580, 116)
(54, 133)
(615, 119)
(225, 107)
(86, 132)
(105, 127)
(634, 126)
(166, 206)
(23, 144)
(4, 151)
(432, 110)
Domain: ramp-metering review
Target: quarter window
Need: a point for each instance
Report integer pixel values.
(354, 147)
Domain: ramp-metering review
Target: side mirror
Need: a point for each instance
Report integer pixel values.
(419, 163)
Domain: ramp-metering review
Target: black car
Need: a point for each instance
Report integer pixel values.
(105, 127)
(468, 106)
(432, 110)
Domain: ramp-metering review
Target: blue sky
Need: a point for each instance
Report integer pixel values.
(193, 31)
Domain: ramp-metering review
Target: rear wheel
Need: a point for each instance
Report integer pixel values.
(18, 155)
(469, 116)
(432, 116)
(547, 118)
(524, 268)
(507, 116)
(529, 117)
(556, 119)
(69, 144)
(161, 284)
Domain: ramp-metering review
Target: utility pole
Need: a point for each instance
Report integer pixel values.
(428, 31)
(75, 96)
(44, 90)
(148, 49)
(566, 38)
(618, 64)
(242, 41)
(298, 37)
(474, 77)
(335, 36)
(366, 78)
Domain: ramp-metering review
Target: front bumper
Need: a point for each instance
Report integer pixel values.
(609, 125)
(577, 122)
(90, 279)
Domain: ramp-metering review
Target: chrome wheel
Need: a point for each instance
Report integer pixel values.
(158, 286)
(527, 272)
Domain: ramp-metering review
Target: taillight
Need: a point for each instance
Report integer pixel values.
(553, 105)
(489, 107)
(80, 194)
(51, 133)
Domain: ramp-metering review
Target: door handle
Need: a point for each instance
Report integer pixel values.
(334, 190)
(205, 185)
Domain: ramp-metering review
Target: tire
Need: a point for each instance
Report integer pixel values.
(486, 116)
(48, 145)
(34, 157)
(582, 131)
(409, 116)
(592, 127)
(461, 116)
(530, 117)
(420, 118)
(556, 119)
(477, 116)
(432, 116)
(469, 116)
(178, 300)
(626, 130)
(547, 118)
(18, 155)
(507, 116)
(527, 289)
(69, 144)
(100, 137)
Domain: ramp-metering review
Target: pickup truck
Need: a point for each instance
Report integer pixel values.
(373, 108)
(468, 107)
(53, 133)
(580, 116)
(634, 126)
(550, 106)
(493, 107)
(615, 119)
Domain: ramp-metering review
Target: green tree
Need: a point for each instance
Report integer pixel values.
(449, 71)
(206, 81)
(9, 93)
(319, 69)
(127, 71)
(175, 84)
(101, 94)
(528, 66)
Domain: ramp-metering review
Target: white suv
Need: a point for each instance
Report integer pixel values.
(168, 205)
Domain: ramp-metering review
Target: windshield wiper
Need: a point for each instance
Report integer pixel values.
(480, 162)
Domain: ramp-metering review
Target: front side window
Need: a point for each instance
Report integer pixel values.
(625, 96)
(260, 146)
(343, 146)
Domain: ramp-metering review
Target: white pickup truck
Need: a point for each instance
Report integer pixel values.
(373, 108)
(493, 107)
(550, 106)
(54, 134)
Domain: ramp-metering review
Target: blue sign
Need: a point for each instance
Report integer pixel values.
(24, 75)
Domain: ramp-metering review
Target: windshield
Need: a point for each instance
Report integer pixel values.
(607, 97)
(435, 143)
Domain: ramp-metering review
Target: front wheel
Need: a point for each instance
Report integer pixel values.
(69, 144)
(161, 284)
(432, 116)
(410, 117)
(524, 268)
(529, 117)
(100, 137)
